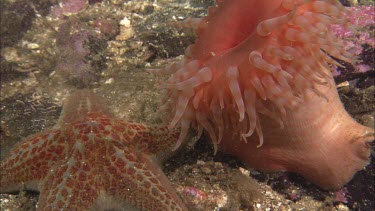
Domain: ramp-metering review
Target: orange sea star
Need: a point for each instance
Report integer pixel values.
(91, 160)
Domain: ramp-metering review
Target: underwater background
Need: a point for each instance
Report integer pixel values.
(50, 48)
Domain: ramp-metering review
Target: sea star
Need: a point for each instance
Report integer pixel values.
(91, 160)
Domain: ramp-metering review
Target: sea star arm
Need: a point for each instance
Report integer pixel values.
(136, 179)
(93, 161)
(72, 185)
(154, 140)
(29, 162)
(160, 138)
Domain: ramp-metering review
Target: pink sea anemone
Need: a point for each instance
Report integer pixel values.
(263, 66)
(266, 51)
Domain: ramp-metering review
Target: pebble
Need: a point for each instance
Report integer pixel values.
(109, 81)
(30, 81)
(10, 54)
(206, 170)
(125, 22)
(32, 46)
(126, 30)
(368, 120)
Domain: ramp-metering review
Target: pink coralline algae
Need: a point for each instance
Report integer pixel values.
(67, 7)
(340, 195)
(361, 18)
(79, 50)
(72, 48)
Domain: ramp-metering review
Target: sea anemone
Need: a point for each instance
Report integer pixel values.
(257, 63)
(266, 52)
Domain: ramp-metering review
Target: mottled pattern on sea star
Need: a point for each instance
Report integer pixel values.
(91, 160)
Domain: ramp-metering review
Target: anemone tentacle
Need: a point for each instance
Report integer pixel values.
(287, 56)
